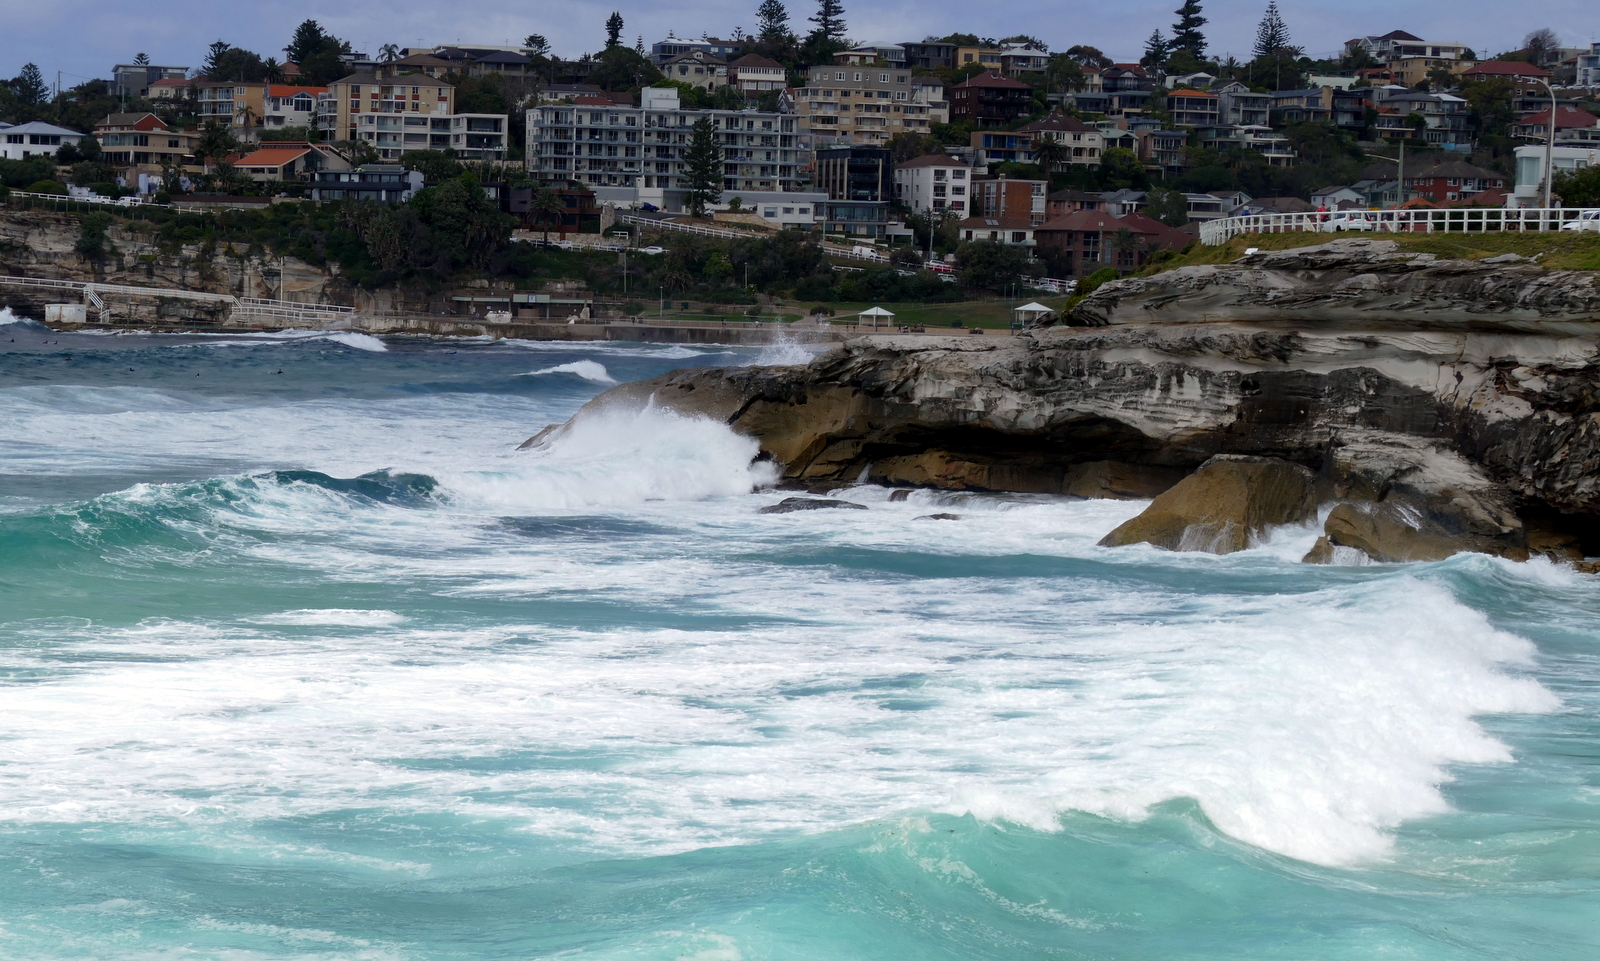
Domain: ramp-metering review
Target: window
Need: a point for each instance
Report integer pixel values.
(769, 211)
(883, 78)
(858, 76)
(959, 174)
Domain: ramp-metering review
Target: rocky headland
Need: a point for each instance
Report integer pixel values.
(1438, 406)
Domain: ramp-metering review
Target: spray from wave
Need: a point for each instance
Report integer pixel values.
(589, 370)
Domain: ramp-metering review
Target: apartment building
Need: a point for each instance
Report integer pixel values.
(604, 144)
(1010, 200)
(251, 107)
(725, 50)
(930, 54)
(1399, 45)
(990, 100)
(1082, 144)
(933, 183)
(1021, 60)
(1238, 104)
(419, 96)
(134, 79)
(1193, 108)
(1162, 150)
(473, 136)
(1586, 69)
(859, 182)
(860, 105)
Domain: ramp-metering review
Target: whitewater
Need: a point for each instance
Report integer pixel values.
(303, 658)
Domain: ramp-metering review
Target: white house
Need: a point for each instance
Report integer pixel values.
(934, 182)
(1529, 191)
(1331, 197)
(35, 138)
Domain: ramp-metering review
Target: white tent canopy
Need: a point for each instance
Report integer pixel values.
(876, 314)
(1031, 313)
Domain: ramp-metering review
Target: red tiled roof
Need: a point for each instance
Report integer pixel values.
(288, 90)
(272, 157)
(1193, 93)
(1505, 68)
(997, 223)
(1493, 197)
(1567, 116)
(1099, 221)
(171, 82)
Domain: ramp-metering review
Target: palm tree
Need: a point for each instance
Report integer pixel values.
(1049, 152)
(389, 53)
(547, 205)
(274, 70)
(1125, 241)
(247, 118)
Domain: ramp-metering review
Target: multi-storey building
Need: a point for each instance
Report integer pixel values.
(864, 105)
(859, 182)
(1010, 200)
(671, 47)
(143, 140)
(1586, 71)
(1082, 145)
(1162, 150)
(419, 97)
(1444, 118)
(601, 143)
(1399, 45)
(935, 182)
(755, 74)
(134, 79)
(249, 108)
(1192, 108)
(1452, 180)
(1020, 60)
(1238, 104)
(929, 93)
(930, 54)
(990, 100)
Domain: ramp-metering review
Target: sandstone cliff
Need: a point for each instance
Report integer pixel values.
(1475, 427)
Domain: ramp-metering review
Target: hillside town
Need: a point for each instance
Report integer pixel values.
(1075, 159)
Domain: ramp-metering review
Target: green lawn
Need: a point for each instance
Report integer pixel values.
(1561, 250)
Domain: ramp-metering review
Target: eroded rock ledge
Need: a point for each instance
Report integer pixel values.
(1434, 437)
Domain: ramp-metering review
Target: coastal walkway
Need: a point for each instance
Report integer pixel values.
(113, 301)
(1417, 220)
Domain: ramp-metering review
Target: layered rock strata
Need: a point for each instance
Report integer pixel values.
(1432, 431)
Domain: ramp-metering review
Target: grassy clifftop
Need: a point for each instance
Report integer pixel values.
(1557, 251)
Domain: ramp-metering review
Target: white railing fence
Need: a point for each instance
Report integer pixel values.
(1423, 220)
(246, 309)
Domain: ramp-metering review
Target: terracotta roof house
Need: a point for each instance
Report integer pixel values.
(753, 73)
(1451, 180)
(1013, 231)
(289, 160)
(1087, 240)
(168, 89)
(1569, 119)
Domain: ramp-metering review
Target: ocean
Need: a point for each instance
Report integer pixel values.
(301, 658)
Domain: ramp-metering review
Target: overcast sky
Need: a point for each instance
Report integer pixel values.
(83, 38)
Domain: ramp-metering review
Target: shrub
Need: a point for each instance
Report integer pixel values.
(47, 187)
(1089, 284)
(92, 240)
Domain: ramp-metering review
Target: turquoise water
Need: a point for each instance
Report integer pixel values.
(315, 664)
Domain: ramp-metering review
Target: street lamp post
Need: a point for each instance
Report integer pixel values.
(1550, 143)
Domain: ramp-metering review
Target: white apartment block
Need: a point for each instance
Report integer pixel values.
(933, 183)
(861, 105)
(473, 136)
(603, 144)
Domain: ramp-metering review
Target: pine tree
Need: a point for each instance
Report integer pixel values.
(1155, 52)
(308, 41)
(829, 20)
(536, 45)
(772, 23)
(29, 86)
(1186, 33)
(141, 59)
(1272, 36)
(613, 30)
(214, 55)
(702, 168)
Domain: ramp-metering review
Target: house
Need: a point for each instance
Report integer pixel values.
(384, 183)
(1125, 90)
(724, 50)
(990, 100)
(1275, 205)
(1162, 150)
(935, 182)
(1573, 124)
(1529, 83)
(423, 63)
(929, 54)
(698, 69)
(1399, 45)
(1021, 60)
(1064, 202)
(289, 160)
(800, 210)
(1086, 240)
(35, 139)
(1011, 231)
(858, 105)
(929, 104)
(859, 182)
(1443, 117)
(170, 88)
(1529, 190)
(883, 54)
(1314, 104)
(510, 64)
(410, 112)
(143, 139)
(1192, 108)
(600, 143)
(1239, 105)
(1586, 67)
(1081, 144)
(1332, 197)
(983, 56)
(134, 79)
(754, 74)
(1272, 145)
(1200, 80)
(1493, 198)
(1011, 200)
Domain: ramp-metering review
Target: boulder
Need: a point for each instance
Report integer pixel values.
(1223, 507)
(791, 504)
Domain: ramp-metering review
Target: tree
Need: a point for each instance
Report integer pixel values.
(215, 141)
(1155, 52)
(1049, 152)
(1490, 101)
(536, 45)
(622, 68)
(909, 145)
(1120, 167)
(547, 207)
(274, 70)
(1025, 40)
(389, 53)
(702, 167)
(29, 86)
(1542, 46)
(1272, 35)
(227, 62)
(309, 39)
(1578, 188)
(437, 166)
(772, 24)
(92, 239)
(141, 59)
(1186, 33)
(613, 30)
(318, 53)
(985, 263)
(1089, 57)
(1169, 206)
(829, 21)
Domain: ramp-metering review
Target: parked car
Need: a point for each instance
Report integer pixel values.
(652, 249)
(1588, 220)
(1351, 221)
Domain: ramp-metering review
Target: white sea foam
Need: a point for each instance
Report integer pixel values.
(7, 317)
(333, 617)
(589, 370)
